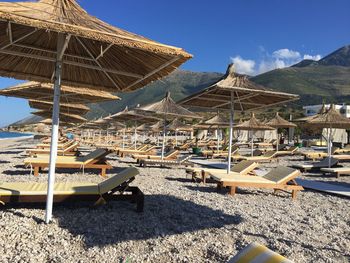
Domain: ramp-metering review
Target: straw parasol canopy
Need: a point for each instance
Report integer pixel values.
(96, 54)
(330, 119)
(248, 95)
(45, 92)
(49, 122)
(143, 127)
(133, 115)
(70, 118)
(168, 107)
(177, 125)
(253, 124)
(279, 122)
(218, 121)
(158, 126)
(73, 108)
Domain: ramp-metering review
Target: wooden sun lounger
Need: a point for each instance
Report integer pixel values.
(177, 162)
(291, 151)
(255, 252)
(171, 155)
(69, 151)
(59, 146)
(140, 148)
(149, 150)
(280, 178)
(316, 166)
(336, 171)
(266, 157)
(94, 160)
(114, 188)
(241, 168)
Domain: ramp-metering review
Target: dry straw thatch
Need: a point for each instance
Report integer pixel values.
(247, 94)
(167, 107)
(177, 125)
(98, 55)
(218, 121)
(253, 124)
(72, 108)
(44, 92)
(330, 119)
(279, 122)
(71, 118)
(133, 115)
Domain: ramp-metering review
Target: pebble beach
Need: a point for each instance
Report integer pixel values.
(182, 221)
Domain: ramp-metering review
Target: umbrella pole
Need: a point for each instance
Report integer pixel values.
(252, 143)
(329, 143)
(135, 134)
(164, 130)
(231, 134)
(123, 139)
(218, 140)
(175, 137)
(62, 44)
(278, 140)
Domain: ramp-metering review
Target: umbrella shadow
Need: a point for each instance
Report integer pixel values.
(2, 162)
(163, 216)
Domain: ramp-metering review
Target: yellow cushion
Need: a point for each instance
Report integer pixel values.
(30, 188)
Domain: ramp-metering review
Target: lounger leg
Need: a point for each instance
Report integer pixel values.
(36, 171)
(103, 172)
(219, 187)
(232, 190)
(139, 199)
(294, 194)
(204, 179)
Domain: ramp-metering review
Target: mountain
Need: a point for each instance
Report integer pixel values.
(326, 80)
(315, 81)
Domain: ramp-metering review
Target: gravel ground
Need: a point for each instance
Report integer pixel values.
(182, 221)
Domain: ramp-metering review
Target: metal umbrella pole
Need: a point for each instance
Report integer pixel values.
(231, 133)
(62, 45)
(135, 134)
(164, 131)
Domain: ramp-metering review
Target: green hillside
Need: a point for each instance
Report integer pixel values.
(314, 84)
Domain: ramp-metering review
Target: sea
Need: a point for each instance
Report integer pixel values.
(8, 135)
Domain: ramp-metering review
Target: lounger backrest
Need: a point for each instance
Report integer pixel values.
(293, 149)
(171, 153)
(94, 156)
(115, 181)
(244, 166)
(325, 162)
(71, 147)
(255, 252)
(334, 149)
(281, 174)
(184, 158)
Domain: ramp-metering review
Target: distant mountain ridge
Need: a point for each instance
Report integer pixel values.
(326, 80)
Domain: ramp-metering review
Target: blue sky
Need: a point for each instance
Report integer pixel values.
(257, 35)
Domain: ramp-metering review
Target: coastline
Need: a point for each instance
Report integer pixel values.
(7, 142)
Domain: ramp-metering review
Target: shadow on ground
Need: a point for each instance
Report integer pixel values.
(163, 216)
(11, 152)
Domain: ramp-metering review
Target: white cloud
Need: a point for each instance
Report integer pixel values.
(244, 66)
(286, 53)
(316, 57)
(278, 59)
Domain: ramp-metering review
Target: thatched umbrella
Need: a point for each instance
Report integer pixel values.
(253, 124)
(236, 92)
(65, 117)
(168, 109)
(177, 125)
(72, 108)
(330, 119)
(45, 92)
(218, 121)
(157, 128)
(135, 116)
(58, 41)
(279, 122)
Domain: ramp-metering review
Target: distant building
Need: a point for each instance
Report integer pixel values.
(314, 109)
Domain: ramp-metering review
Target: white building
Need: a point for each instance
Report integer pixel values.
(314, 109)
